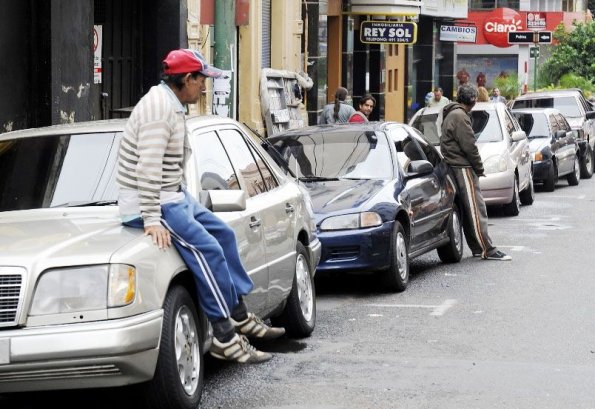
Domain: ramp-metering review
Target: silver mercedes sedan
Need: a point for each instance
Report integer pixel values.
(86, 302)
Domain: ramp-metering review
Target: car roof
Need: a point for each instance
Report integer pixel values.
(536, 111)
(108, 125)
(551, 93)
(343, 127)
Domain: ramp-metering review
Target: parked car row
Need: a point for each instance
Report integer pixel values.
(86, 302)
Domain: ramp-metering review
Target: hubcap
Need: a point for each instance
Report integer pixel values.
(401, 251)
(304, 287)
(517, 198)
(187, 351)
(577, 168)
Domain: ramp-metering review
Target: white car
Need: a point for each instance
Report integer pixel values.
(504, 150)
(86, 302)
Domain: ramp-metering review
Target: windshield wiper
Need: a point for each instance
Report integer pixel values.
(88, 203)
(316, 178)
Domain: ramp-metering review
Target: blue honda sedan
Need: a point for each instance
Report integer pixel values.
(381, 193)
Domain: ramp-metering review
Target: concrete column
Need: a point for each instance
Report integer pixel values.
(225, 51)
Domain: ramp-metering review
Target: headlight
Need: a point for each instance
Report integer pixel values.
(538, 156)
(86, 288)
(495, 164)
(351, 221)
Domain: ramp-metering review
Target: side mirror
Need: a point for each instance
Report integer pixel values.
(419, 168)
(590, 114)
(518, 136)
(223, 200)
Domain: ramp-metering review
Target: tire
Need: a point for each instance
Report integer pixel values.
(514, 207)
(396, 277)
(453, 251)
(299, 316)
(180, 356)
(575, 177)
(587, 164)
(549, 185)
(527, 196)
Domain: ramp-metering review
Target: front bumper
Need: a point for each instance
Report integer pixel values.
(497, 188)
(541, 170)
(86, 355)
(314, 252)
(356, 250)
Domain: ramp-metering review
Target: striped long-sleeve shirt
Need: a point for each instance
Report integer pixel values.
(151, 155)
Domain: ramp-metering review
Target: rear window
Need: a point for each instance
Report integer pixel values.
(567, 105)
(51, 171)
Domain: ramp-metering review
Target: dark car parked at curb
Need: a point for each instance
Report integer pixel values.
(553, 146)
(381, 195)
(578, 112)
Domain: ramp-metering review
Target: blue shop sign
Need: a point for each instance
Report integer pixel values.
(388, 32)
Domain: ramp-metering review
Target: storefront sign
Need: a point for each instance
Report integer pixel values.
(388, 32)
(499, 23)
(536, 21)
(466, 34)
(97, 45)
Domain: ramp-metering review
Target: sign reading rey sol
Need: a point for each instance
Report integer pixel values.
(388, 32)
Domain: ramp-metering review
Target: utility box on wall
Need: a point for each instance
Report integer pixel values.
(281, 96)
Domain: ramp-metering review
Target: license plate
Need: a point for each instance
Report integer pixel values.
(4, 351)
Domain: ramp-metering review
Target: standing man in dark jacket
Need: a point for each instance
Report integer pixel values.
(460, 152)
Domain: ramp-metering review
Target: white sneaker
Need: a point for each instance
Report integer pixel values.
(238, 350)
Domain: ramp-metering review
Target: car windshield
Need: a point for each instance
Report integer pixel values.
(567, 105)
(60, 170)
(427, 125)
(534, 125)
(486, 126)
(348, 155)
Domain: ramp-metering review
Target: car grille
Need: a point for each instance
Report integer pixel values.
(61, 373)
(11, 285)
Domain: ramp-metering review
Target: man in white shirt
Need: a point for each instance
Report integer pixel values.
(439, 100)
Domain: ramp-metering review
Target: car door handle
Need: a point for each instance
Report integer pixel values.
(289, 208)
(254, 222)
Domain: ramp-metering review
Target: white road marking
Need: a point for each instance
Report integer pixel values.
(442, 308)
(438, 310)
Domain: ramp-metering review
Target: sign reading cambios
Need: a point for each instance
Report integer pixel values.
(388, 32)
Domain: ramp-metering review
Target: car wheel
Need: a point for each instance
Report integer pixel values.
(299, 316)
(514, 207)
(527, 196)
(587, 164)
(453, 251)
(549, 184)
(396, 277)
(178, 379)
(574, 178)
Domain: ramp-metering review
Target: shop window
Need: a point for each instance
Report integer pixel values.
(493, 4)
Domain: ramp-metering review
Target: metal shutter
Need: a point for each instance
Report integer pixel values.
(266, 34)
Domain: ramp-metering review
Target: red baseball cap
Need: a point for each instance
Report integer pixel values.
(184, 60)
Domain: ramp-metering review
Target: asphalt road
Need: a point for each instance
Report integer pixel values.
(478, 334)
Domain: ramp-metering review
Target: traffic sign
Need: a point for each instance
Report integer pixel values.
(528, 37)
(544, 37)
(520, 37)
(534, 52)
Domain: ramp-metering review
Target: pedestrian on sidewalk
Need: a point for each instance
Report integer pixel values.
(152, 196)
(457, 145)
(339, 111)
(366, 105)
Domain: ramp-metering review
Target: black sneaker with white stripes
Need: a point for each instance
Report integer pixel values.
(253, 327)
(239, 350)
(498, 255)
